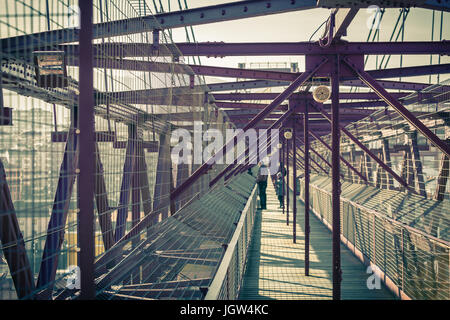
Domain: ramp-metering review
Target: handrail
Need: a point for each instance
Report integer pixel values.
(225, 266)
(382, 216)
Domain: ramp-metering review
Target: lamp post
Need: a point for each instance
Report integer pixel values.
(287, 136)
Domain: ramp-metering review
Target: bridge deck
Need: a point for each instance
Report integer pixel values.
(275, 267)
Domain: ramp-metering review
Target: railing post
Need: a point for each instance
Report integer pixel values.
(336, 186)
(87, 149)
(283, 172)
(294, 181)
(287, 182)
(306, 142)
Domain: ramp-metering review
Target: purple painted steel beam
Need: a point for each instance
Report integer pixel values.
(161, 194)
(283, 172)
(191, 69)
(143, 181)
(128, 171)
(405, 113)
(294, 175)
(58, 218)
(240, 105)
(13, 244)
(239, 96)
(364, 148)
(410, 71)
(389, 84)
(287, 180)
(336, 185)
(307, 148)
(342, 19)
(221, 49)
(143, 96)
(101, 200)
(86, 177)
(136, 191)
(429, 4)
(164, 20)
(317, 118)
(272, 106)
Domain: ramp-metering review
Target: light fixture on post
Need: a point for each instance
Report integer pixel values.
(50, 69)
(321, 94)
(288, 134)
(279, 146)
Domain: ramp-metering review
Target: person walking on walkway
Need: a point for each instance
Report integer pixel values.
(279, 189)
(262, 185)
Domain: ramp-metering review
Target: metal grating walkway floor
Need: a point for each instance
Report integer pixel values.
(275, 267)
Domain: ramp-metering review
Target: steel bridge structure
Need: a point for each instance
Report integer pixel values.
(94, 205)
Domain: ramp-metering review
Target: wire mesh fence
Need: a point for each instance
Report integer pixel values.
(140, 98)
(409, 255)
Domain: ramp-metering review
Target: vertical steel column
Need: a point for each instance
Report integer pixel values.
(87, 149)
(417, 164)
(136, 187)
(283, 172)
(163, 181)
(387, 161)
(306, 142)
(336, 186)
(144, 185)
(12, 242)
(60, 208)
(101, 199)
(125, 188)
(294, 175)
(287, 182)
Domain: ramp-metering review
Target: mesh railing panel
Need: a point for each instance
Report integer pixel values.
(415, 261)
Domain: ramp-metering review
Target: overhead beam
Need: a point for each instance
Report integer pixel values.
(201, 70)
(222, 49)
(428, 4)
(239, 96)
(254, 84)
(168, 20)
(342, 19)
(160, 95)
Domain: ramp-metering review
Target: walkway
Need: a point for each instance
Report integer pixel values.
(275, 264)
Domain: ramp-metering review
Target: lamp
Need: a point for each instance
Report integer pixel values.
(50, 69)
(287, 134)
